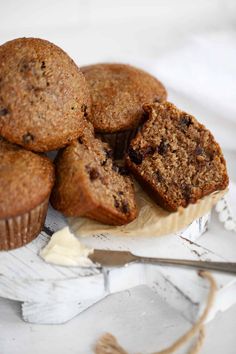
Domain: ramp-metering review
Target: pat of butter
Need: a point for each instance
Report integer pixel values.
(65, 249)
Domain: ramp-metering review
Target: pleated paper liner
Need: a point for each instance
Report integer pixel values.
(151, 221)
(118, 141)
(19, 230)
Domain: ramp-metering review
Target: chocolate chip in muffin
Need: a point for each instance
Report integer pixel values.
(116, 202)
(84, 109)
(93, 173)
(199, 150)
(27, 138)
(4, 112)
(135, 156)
(125, 207)
(186, 191)
(158, 176)
(149, 150)
(185, 121)
(163, 147)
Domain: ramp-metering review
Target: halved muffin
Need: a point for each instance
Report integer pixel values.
(175, 158)
(89, 183)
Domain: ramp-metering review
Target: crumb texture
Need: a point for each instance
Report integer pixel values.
(175, 158)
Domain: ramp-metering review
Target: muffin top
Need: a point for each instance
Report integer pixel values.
(26, 179)
(43, 95)
(118, 92)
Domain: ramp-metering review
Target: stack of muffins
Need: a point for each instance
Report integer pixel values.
(108, 120)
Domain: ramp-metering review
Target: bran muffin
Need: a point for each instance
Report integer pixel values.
(26, 180)
(118, 92)
(43, 95)
(175, 158)
(88, 183)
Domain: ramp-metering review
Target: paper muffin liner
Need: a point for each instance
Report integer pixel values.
(118, 141)
(22, 229)
(152, 221)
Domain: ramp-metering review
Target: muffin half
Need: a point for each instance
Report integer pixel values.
(89, 183)
(26, 180)
(175, 158)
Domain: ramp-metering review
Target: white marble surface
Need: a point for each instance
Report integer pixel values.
(145, 33)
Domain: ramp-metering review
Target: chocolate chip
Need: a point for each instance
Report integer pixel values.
(163, 147)
(4, 112)
(186, 191)
(72, 108)
(27, 138)
(159, 176)
(116, 202)
(135, 156)
(185, 121)
(84, 110)
(121, 193)
(24, 67)
(80, 140)
(103, 163)
(199, 150)
(125, 207)
(43, 65)
(93, 174)
(149, 150)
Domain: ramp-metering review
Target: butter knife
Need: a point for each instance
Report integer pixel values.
(119, 258)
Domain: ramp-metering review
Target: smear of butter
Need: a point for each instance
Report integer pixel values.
(65, 249)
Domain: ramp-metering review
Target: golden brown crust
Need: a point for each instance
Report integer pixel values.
(175, 158)
(26, 180)
(88, 184)
(43, 95)
(118, 92)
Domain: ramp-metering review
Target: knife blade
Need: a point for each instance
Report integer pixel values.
(113, 258)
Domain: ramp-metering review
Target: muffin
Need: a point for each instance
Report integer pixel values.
(89, 184)
(175, 158)
(26, 180)
(118, 92)
(43, 95)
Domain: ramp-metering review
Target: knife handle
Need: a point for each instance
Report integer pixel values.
(225, 267)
